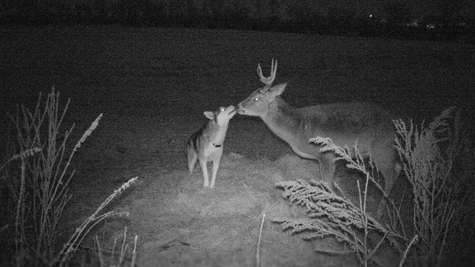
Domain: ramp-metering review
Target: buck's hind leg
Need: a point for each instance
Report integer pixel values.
(390, 167)
(327, 168)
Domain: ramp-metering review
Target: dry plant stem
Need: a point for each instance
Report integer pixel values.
(41, 193)
(51, 185)
(113, 246)
(99, 251)
(258, 251)
(27, 153)
(123, 249)
(359, 164)
(332, 215)
(364, 219)
(367, 253)
(134, 252)
(428, 168)
(404, 255)
(93, 220)
(344, 219)
(344, 153)
(19, 218)
(114, 260)
(44, 204)
(394, 217)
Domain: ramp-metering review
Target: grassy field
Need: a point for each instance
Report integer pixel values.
(153, 85)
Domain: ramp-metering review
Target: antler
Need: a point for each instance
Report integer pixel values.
(268, 80)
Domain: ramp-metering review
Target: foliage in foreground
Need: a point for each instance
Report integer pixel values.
(428, 154)
(331, 215)
(36, 176)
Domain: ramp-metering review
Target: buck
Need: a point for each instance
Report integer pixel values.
(207, 144)
(345, 123)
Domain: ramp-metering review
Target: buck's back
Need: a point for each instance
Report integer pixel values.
(346, 123)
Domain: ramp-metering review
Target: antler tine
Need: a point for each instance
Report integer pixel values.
(268, 80)
(273, 70)
(259, 72)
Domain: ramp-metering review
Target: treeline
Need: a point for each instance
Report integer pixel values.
(303, 16)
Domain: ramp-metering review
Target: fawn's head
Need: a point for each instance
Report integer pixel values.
(257, 104)
(222, 115)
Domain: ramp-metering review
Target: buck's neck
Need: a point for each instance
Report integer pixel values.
(283, 119)
(216, 133)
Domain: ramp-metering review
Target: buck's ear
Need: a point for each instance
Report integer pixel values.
(278, 89)
(209, 115)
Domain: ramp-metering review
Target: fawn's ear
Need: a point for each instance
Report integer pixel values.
(209, 115)
(278, 89)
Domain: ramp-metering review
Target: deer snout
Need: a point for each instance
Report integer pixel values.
(240, 109)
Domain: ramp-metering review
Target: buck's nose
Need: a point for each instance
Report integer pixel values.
(239, 109)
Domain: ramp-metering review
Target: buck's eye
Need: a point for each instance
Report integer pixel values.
(221, 109)
(256, 98)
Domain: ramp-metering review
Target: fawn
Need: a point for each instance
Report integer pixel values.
(345, 123)
(207, 144)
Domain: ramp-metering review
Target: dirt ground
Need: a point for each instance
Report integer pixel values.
(152, 85)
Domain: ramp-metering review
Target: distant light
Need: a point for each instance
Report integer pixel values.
(370, 16)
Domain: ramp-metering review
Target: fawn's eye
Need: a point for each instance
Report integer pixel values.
(221, 109)
(256, 98)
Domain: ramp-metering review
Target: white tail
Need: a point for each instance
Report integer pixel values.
(345, 123)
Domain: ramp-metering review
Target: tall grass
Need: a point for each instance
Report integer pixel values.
(41, 189)
(36, 178)
(334, 215)
(80, 233)
(428, 154)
